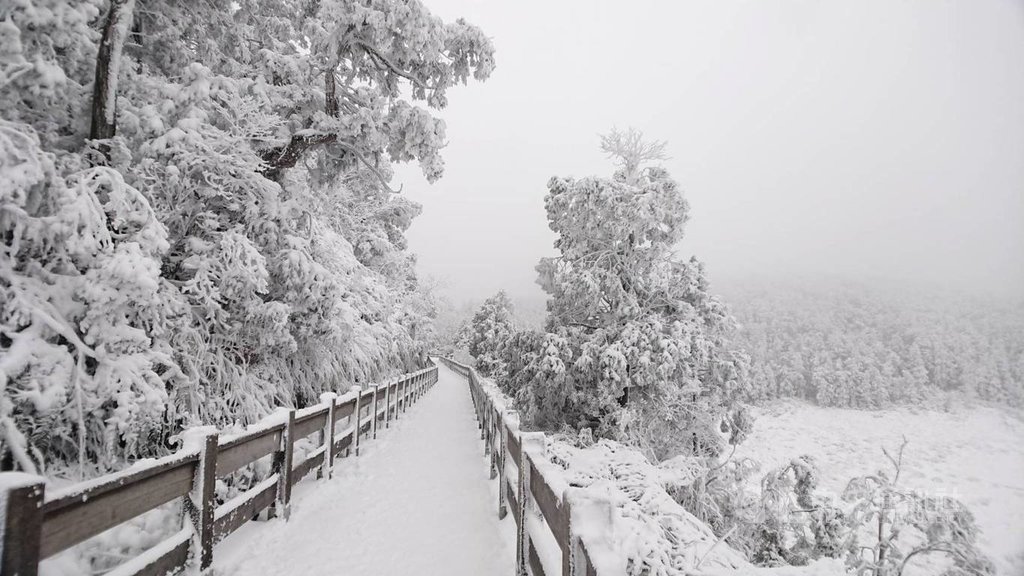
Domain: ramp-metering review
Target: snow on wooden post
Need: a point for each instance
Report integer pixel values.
(358, 391)
(591, 535)
(327, 467)
(283, 467)
(21, 501)
(201, 500)
(531, 443)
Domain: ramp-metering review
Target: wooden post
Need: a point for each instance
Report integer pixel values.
(283, 467)
(481, 420)
(327, 468)
(21, 499)
(373, 420)
(485, 418)
(355, 417)
(201, 502)
(387, 404)
(502, 478)
(494, 441)
(397, 396)
(531, 443)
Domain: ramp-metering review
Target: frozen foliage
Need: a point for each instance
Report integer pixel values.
(229, 242)
(851, 346)
(876, 528)
(635, 347)
(890, 526)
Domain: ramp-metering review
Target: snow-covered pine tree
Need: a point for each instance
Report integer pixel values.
(636, 345)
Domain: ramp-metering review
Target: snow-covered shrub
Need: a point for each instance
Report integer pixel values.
(890, 528)
(795, 525)
(84, 312)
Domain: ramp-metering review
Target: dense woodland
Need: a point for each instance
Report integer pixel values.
(856, 346)
(196, 220)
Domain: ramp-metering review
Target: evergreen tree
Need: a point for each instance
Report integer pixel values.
(490, 331)
(635, 346)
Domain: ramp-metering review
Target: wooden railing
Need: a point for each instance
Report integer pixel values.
(36, 526)
(535, 480)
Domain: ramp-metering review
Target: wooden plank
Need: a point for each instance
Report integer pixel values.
(550, 506)
(167, 557)
(310, 423)
(257, 499)
(513, 504)
(245, 450)
(345, 409)
(514, 448)
(364, 426)
(306, 466)
(343, 442)
(584, 559)
(535, 565)
(78, 516)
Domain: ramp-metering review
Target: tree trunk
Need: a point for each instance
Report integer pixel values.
(108, 64)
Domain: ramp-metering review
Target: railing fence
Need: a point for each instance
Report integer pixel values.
(36, 526)
(503, 440)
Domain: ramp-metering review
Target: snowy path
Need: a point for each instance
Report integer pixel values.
(417, 501)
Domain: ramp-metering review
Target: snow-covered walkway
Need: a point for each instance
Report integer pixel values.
(417, 501)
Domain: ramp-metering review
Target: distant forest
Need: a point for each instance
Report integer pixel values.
(861, 347)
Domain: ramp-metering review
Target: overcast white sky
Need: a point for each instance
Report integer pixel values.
(858, 138)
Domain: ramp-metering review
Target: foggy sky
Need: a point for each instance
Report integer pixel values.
(854, 139)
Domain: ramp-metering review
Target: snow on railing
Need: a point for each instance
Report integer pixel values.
(35, 526)
(580, 520)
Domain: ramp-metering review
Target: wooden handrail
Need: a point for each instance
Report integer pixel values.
(37, 526)
(500, 430)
